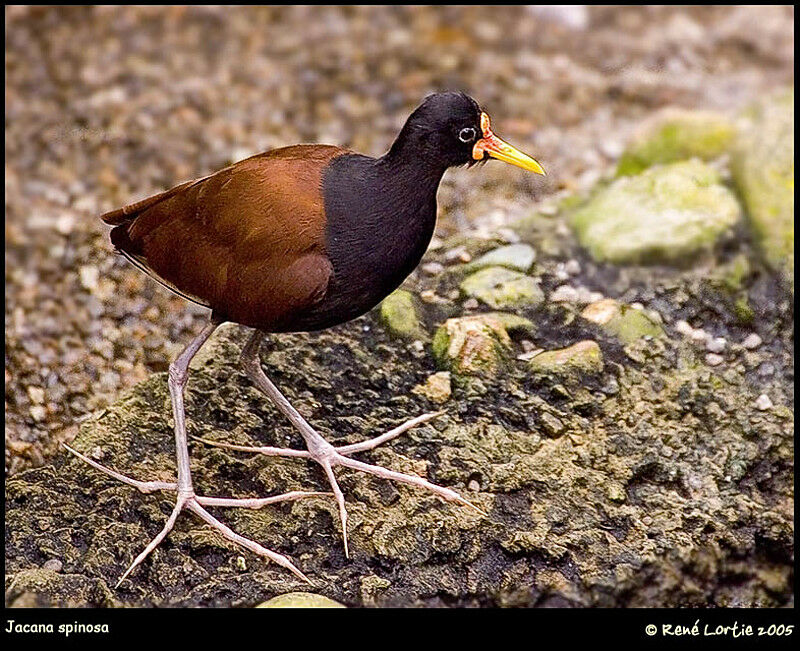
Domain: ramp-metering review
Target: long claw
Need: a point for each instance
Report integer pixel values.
(254, 547)
(257, 503)
(388, 436)
(267, 450)
(155, 541)
(143, 486)
(340, 500)
(412, 480)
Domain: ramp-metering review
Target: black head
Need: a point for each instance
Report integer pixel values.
(450, 129)
(442, 130)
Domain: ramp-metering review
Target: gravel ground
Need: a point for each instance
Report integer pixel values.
(105, 105)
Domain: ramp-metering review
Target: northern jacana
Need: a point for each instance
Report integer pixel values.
(299, 239)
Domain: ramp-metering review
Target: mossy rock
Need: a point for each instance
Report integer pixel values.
(763, 169)
(582, 358)
(666, 214)
(399, 314)
(675, 134)
(301, 600)
(622, 321)
(502, 288)
(517, 257)
(472, 345)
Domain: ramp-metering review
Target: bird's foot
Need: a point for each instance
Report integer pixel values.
(329, 457)
(195, 503)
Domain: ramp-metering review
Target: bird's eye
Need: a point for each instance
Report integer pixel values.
(467, 134)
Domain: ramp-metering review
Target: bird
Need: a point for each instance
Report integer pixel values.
(298, 239)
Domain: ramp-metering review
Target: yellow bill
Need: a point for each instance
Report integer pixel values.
(497, 148)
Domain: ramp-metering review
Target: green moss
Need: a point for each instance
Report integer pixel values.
(502, 288)
(674, 135)
(399, 314)
(584, 357)
(622, 321)
(475, 345)
(665, 214)
(763, 169)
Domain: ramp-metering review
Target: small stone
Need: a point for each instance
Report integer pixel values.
(716, 344)
(499, 288)
(471, 304)
(712, 359)
(54, 565)
(763, 402)
(89, 276)
(565, 294)
(436, 388)
(698, 336)
(572, 267)
(399, 315)
(472, 345)
(473, 485)
(584, 357)
(300, 600)
(508, 235)
(458, 254)
(38, 413)
(36, 394)
(621, 321)
(683, 328)
(552, 425)
(517, 257)
(433, 268)
(751, 341)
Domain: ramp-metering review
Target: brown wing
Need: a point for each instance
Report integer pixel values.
(247, 241)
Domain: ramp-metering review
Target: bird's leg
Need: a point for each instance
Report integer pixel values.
(323, 452)
(186, 497)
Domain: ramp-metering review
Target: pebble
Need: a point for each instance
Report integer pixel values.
(89, 276)
(471, 304)
(716, 344)
(458, 254)
(36, 394)
(751, 341)
(54, 565)
(473, 485)
(763, 402)
(433, 268)
(699, 336)
(572, 267)
(565, 294)
(713, 359)
(683, 328)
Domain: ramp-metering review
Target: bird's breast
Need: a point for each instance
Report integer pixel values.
(377, 229)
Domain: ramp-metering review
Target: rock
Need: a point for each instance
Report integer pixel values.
(586, 496)
(763, 402)
(502, 288)
(399, 315)
(751, 341)
(713, 359)
(665, 214)
(584, 357)
(622, 321)
(436, 388)
(716, 344)
(512, 322)
(675, 134)
(763, 169)
(472, 345)
(565, 294)
(300, 600)
(517, 257)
